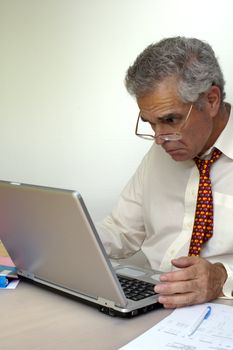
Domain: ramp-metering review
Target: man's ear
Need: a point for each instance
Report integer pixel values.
(213, 100)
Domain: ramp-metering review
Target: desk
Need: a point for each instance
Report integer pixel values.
(34, 318)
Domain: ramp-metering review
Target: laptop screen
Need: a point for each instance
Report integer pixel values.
(50, 237)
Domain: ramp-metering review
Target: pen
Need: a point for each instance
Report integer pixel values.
(3, 281)
(205, 314)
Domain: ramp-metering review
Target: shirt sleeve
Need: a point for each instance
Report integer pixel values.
(123, 232)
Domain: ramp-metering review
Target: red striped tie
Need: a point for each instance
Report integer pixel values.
(203, 222)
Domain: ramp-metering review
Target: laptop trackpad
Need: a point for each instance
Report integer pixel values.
(130, 272)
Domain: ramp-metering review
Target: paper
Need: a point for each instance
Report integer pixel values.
(7, 269)
(214, 333)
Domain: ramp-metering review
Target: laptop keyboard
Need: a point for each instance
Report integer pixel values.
(135, 289)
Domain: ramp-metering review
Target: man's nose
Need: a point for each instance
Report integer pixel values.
(159, 131)
(159, 140)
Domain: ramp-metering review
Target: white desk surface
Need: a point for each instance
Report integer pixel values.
(33, 318)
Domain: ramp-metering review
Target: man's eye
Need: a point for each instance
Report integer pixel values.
(171, 120)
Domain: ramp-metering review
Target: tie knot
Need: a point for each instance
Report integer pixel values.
(205, 164)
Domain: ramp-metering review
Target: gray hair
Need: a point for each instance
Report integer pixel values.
(191, 61)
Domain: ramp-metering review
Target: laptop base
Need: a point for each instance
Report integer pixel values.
(130, 314)
(103, 309)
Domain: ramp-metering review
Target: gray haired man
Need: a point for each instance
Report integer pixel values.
(178, 206)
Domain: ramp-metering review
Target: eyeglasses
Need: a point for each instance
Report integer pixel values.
(170, 136)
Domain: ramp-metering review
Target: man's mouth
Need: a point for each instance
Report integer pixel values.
(173, 150)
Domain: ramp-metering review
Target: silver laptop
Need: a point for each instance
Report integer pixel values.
(53, 241)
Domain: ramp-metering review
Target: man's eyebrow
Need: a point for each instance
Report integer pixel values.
(163, 117)
(170, 115)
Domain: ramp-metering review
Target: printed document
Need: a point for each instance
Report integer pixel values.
(183, 329)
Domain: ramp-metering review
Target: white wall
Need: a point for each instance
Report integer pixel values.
(66, 119)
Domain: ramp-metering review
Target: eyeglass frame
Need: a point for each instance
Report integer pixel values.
(173, 136)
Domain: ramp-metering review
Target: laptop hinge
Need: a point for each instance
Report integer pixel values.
(105, 302)
(26, 274)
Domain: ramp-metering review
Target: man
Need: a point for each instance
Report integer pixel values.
(179, 89)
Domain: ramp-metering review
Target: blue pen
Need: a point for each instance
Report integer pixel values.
(3, 281)
(205, 314)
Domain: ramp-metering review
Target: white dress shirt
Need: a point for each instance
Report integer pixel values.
(156, 210)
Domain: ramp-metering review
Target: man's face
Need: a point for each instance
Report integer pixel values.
(162, 107)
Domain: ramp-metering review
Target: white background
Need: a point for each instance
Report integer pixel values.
(66, 118)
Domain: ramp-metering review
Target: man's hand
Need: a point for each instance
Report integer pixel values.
(197, 281)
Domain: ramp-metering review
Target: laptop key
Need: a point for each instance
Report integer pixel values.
(135, 289)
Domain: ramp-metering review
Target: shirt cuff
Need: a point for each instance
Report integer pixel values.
(228, 285)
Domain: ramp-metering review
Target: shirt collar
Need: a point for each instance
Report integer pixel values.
(225, 140)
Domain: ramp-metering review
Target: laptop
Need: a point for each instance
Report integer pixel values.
(52, 240)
